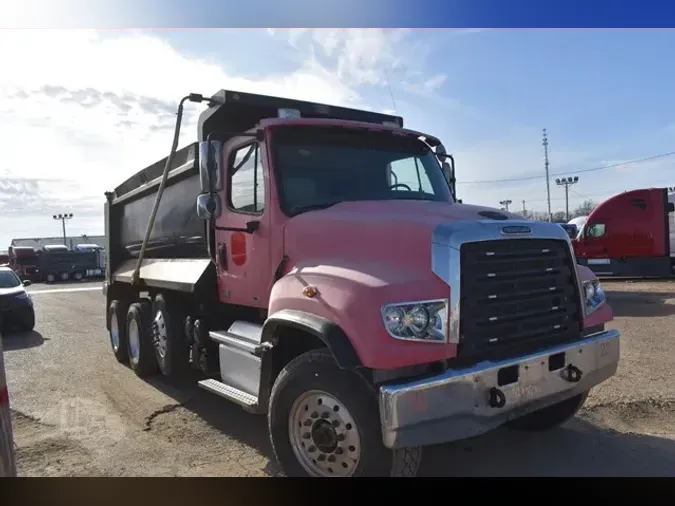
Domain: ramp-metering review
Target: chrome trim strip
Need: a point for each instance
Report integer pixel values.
(448, 238)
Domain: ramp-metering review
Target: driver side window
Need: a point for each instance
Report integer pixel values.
(409, 172)
(596, 230)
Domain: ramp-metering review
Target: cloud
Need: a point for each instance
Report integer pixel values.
(83, 110)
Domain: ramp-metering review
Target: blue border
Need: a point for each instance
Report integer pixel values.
(349, 13)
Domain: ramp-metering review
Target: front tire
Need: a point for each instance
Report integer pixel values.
(50, 278)
(29, 321)
(324, 421)
(549, 417)
(139, 339)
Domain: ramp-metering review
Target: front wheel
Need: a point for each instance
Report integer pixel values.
(324, 421)
(28, 323)
(549, 417)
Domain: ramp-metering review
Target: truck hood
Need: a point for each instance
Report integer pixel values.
(381, 231)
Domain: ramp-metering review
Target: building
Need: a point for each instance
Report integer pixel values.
(71, 242)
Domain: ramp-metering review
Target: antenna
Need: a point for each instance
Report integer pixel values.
(548, 187)
(391, 93)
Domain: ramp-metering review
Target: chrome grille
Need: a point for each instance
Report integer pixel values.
(517, 295)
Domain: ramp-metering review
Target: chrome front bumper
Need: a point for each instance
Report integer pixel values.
(456, 404)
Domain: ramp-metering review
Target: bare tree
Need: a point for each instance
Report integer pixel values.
(584, 209)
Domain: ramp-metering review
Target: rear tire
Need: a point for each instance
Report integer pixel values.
(117, 325)
(78, 276)
(139, 339)
(64, 276)
(168, 328)
(50, 278)
(324, 421)
(549, 417)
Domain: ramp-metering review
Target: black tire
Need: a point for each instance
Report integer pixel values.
(145, 363)
(117, 313)
(549, 417)
(64, 276)
(78, 276)
(317, 370)
(50, 278)
(28, 324)
(176, 357)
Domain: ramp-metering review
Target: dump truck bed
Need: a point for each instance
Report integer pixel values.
(176, 256)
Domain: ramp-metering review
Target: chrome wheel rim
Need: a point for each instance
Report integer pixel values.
(134, 340)
(114, 333)
(159, 331)
(324, 435)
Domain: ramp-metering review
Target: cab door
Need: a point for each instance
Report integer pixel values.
(243, 229)
(594, 243)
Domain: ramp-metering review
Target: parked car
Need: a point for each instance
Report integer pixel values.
(16, 304)
(7, 458)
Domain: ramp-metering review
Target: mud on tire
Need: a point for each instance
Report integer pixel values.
(346, 395)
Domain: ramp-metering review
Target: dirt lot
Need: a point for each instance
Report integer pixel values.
(76, 412)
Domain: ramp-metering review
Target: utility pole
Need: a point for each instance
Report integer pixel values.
(505, 203)
(524, 210)
(548, 186)
(63, 218)
(567, 182)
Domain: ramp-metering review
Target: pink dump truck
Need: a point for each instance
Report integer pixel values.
(314, 264)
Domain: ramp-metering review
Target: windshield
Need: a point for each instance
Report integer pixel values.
(9, 280)
(32, 260)
(321, 166)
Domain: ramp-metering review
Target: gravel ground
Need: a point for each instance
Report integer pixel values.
(76, 412)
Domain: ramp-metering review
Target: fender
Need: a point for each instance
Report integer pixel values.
(330, 333)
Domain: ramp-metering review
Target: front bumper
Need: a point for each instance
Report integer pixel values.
(456, 405)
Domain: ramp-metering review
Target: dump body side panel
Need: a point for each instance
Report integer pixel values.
(178, 233)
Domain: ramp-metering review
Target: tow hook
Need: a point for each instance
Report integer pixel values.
(497, 398)
(572, 374)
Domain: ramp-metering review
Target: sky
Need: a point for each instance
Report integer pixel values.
(83, 110)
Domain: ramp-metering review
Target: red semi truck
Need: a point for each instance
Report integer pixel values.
(631, 234)
(25, 262)
(313, 263)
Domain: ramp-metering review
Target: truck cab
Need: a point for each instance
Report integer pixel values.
(629, 235)
(314, 263)
(25, 262)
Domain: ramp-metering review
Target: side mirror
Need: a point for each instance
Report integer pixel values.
(27, 282)
(671, 207)
(209, 206)
(447, 171)
(210, 166)
(441, 153)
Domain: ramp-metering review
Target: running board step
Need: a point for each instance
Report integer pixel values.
(247, 401)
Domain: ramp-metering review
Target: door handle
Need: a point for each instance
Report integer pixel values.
(222, 256)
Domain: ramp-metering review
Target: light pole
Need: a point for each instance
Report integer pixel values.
(505, 203)
(63, 218)
(567, 182)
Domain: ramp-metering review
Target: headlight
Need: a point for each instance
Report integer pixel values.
(425, 321)
(594, 295)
